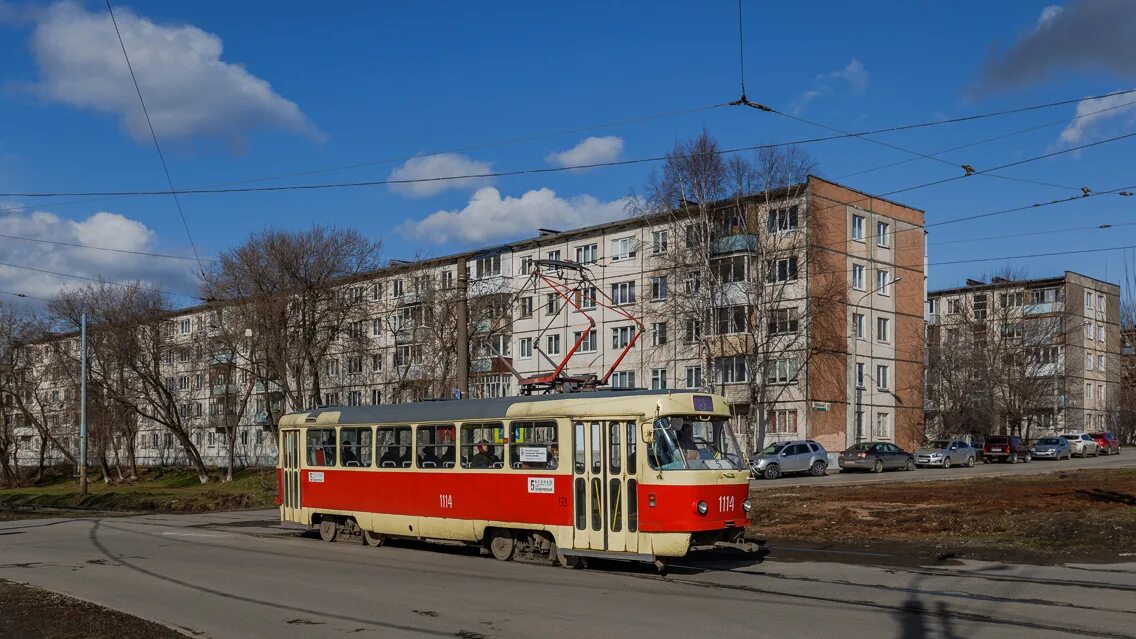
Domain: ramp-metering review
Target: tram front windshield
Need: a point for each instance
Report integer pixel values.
(689, 443)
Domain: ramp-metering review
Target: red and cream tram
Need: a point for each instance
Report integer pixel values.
(637, 475)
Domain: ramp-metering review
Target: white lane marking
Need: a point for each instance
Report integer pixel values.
(195, 534)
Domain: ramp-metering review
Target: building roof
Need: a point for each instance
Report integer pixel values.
(1003, 284)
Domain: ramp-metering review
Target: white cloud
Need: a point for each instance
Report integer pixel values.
(488, 216)
(1117, 110)
(189, 90)
(1048, 15)
(441, 165)
(853, 79)
(104, 229)
(593, 150)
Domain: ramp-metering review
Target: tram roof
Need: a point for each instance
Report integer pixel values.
(456, 410)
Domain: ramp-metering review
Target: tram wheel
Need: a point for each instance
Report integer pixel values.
(373, 539)
(328, 530)
(502, 544)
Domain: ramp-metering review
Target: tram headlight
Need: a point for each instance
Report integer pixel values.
(702, 508)
(747, 505)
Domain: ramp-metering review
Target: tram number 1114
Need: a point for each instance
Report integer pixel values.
(447, 501)
(725, 503)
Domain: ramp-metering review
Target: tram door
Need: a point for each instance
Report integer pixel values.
(601, 482)
(290, 458)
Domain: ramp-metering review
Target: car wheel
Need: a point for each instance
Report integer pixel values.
(818, 469)
(878, 467)
(772, 471)
(910, 464)
(970, 462)
(947, 463)
(1029, 457)
(1013, 458)
(1096, 453)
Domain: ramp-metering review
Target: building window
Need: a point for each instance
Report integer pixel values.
(882, 334)
(732, 369)
(783, 321)
(693, 331)
(1089, 331)
(1012, 300)
(355, 398)
(1088, 390)
(658, 378)
(396, 289)
(858, 228)
(589, 344)
(376, 363)
(782, 220)
(487, 266)
(526, 265)
(859, 375)
(883, 425)
(552, 342)
(586, 298)
(694, 377)
(1100, 332)
(659, 288)
(693, 283)
(183, 384)
(186, 326)
(622, 249)
(882, 377)
(525, 347)
(732, 319)
(376, 397)
(587, 254)
(551, 303)
(782, 422)
(527, 306)
(494, 386)
(623, 293)
(730, 269)
(554, 256)
(782, 270)
(883, 282)
(623, 379)
(659, 242)
(354, 365)
(1100, 301)
(954, 306)
(882, 234)
(1088, 361)
(858, 325)
(858, 277)
(621, 336)
(1100, 363)
(1088, 300)
(658, 333)
(1100, 392)
(781, 371)
(693, 236)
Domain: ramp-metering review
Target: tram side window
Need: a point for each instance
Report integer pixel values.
(482, 445)
(321, 447)
(355, 447)
(393, 446)
(435, 446)
(533, 446)
(632, 441)
(578, 447)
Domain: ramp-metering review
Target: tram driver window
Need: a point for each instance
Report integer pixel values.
(532, 446)
(355, 447)
(482, 445)
(436, 446)
(393, 446)
(321, 447)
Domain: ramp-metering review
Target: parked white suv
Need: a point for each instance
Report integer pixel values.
(1082, 444)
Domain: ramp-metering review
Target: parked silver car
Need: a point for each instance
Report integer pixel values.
(946, 453)
(800, 456)
(1082, 444)
(1054, 448)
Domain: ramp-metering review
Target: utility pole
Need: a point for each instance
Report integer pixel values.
(83, 404)
(461, 311)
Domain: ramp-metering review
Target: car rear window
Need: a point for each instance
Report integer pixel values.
(997, 440)
(861, 446)
(1048, 440)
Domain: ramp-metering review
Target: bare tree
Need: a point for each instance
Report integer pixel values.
(129, 340)
(289, 288)
(737, 262)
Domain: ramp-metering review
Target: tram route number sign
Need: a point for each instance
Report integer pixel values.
(315, 476)
(541, 485)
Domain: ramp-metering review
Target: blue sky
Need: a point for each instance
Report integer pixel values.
(249, 90)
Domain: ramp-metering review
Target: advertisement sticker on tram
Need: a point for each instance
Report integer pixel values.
(315, 476)
(543, 485)
(536, 455)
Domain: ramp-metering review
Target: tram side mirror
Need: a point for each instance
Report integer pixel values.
(648, 434)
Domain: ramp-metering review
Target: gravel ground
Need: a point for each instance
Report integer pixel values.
(27, 612)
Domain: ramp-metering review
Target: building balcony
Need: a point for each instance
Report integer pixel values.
(409, 297)
(1043, 308)
(224, 389)
(272, 387)
(223, 358)
(260, 418)
(933, 319)
(734, 244)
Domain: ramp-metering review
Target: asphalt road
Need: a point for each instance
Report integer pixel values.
(241, 575)
(1126, 459)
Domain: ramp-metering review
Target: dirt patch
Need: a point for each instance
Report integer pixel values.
(1084, 515)
(32, 613)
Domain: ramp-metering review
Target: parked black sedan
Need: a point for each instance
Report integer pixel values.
(876, 457)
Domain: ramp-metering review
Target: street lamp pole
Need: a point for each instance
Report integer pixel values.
(857, 387)
(83, 404)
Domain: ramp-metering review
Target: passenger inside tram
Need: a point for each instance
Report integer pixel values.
(553, 456)
(483, 458)
(427, 457)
